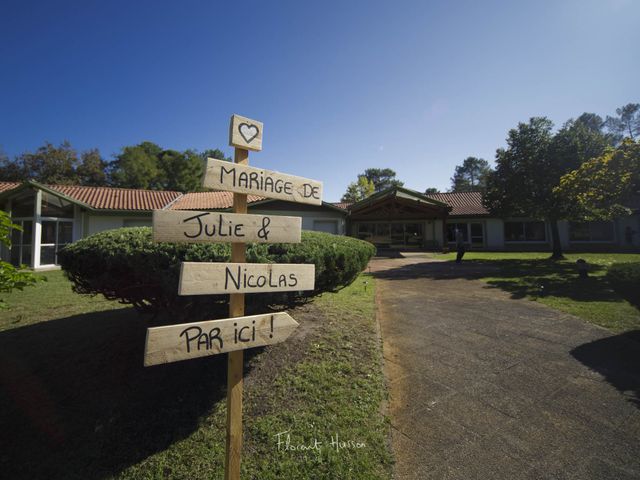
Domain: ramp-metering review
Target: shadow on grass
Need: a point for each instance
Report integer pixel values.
(521, 278)
(76, 401)
(617, 358)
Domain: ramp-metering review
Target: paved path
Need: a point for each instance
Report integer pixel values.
(484, 386)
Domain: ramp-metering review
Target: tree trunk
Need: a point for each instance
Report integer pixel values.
(555, 241)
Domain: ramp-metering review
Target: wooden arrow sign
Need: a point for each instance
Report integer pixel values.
(208, 278)
(234, 177)
(200, 339)
(211, 227)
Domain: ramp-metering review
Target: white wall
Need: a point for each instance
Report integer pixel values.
(494, 232)
(100, 223)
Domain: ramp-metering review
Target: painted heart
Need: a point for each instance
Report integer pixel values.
(248, 132)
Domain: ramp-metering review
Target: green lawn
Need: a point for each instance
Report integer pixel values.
(556, 284)
(79, 401)
(48, 300)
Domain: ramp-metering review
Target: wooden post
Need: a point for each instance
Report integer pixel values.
(235, 359)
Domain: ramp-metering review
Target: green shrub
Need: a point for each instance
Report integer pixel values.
(625, 279)
(126, 265)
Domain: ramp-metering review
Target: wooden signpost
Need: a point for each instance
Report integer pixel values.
(232, 335)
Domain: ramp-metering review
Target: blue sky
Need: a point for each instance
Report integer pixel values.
(340, 86)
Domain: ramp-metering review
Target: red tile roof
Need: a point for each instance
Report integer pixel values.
(4, 186)
(462, 203)
(109, 198)
(208, 201)
(342, 205)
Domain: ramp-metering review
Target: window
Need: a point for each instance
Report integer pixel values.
(525, 232)
(53, 206)
(21, 243)
(451, 231)
(477, 233)
(365, 230)
(329, 226)
(55, 235)
(591, 231)
(382, 229)
(23, 205)
(413, 233)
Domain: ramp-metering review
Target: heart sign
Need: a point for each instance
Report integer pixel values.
(245, 133)
(248, 132)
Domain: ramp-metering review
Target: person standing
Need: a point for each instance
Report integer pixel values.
(460, 247)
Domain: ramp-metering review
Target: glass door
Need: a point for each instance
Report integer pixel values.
(21, 243)
(55, 235)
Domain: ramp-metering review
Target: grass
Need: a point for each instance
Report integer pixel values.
(76, 397)
(556, 284)
(48, 300)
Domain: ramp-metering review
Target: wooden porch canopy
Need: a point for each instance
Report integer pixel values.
(398, 204)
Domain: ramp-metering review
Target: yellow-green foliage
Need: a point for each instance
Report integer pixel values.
(600, 186)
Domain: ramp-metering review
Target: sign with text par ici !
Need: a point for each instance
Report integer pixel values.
(173, 343)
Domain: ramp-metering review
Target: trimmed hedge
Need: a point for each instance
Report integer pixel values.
(126, 265)
(625, 279)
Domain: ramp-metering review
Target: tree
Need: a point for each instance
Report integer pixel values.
(48, 164)
(215, 153)
(92, 169)
(600, 187)
(471, 176)
(531, 166)
(382, 178)
(431, 191)
(137, 167)
(627, 122)
(359, 190)
(9, 171)
(181, 171)
(11, 277)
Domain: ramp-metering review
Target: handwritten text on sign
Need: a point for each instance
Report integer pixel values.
(221, 175)
(208, 278)
(198, 339)
(209, 227)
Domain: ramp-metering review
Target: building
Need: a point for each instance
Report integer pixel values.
(51, 216)
(402, 218)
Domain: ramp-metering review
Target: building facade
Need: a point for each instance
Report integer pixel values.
(52, 216)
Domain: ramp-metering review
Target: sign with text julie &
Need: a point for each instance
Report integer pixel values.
(208, 227)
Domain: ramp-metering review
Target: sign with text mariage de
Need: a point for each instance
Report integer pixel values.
(221, 175)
